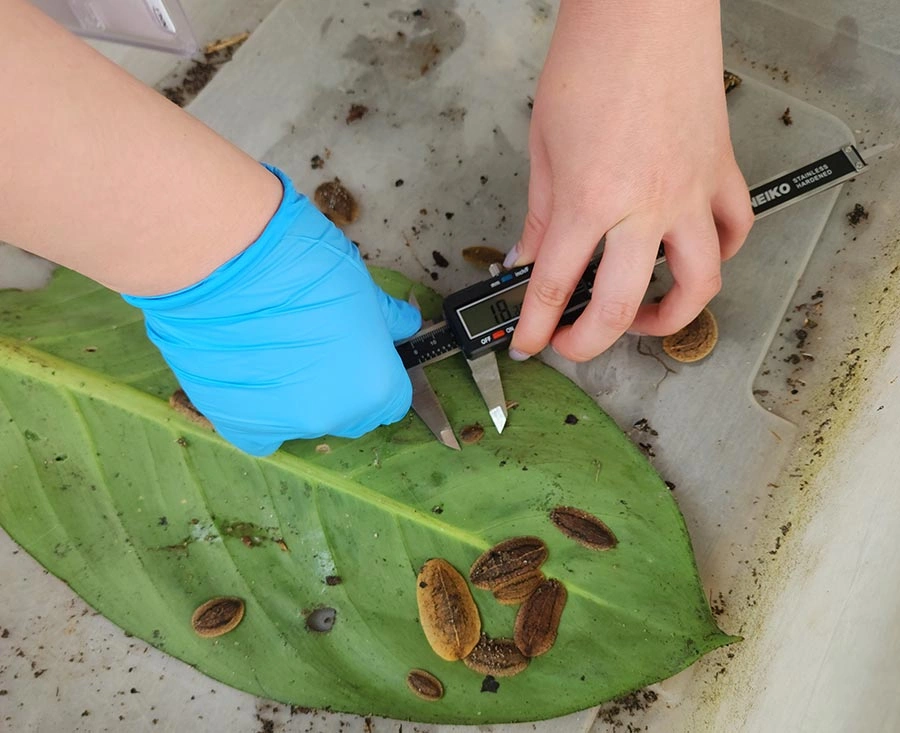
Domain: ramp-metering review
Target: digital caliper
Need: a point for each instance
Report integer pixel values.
(481, 318)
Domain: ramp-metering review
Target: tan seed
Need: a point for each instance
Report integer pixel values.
(507, 560)
(484, 257)
(471, 434)
(181, 403)
(336, 202)
(694, 341)
(538, 619)
(447, 610)
(516, 590)
(217, 616)
(497, 657)
(424, 684)
(584, 528)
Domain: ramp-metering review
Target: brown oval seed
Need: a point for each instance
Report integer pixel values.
(584, 528)
(336, 202)
(497, 657)
(447, 610)
(516, 590)
(424, 684)
(471, 434)
(507, 560)
(538, 619)
(695, 341)
(481, 256)
(217, 616)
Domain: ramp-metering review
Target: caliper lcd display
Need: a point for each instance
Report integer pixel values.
(493, 311)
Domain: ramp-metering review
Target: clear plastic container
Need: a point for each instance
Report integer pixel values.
(155, 24)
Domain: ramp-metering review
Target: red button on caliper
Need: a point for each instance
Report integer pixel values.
(498, 335)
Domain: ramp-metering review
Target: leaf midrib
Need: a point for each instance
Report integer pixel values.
(48, 368)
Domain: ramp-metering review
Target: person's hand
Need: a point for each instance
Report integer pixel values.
(290, 339)
(629, 139)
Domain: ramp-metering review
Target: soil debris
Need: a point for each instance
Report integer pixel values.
(316, 162)
(732, 81)
(356, 112)
(584, 528)
(217, 616)
(786, 117)
(857, 215)
(337, 203)
(424, 685)
(489, 684)
(202, 70)
(439, 259)
(695, 341)
(508, 560)
(447, 611)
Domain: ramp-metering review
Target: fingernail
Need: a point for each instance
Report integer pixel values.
(517, 355)
(635, 333)
(510, 261)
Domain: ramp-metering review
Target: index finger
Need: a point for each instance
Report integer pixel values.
(619, 286)
(561, 261)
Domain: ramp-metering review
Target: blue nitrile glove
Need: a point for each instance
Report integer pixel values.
(289, 339)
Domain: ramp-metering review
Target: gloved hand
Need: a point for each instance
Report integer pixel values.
(289, 339)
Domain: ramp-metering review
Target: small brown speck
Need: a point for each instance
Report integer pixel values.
(571, 419)
(357, 112)
(316, 162)
(333, 580)
(439, 259)
(857, 215)
(786, 117)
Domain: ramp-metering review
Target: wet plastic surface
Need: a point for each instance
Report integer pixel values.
(788, 501)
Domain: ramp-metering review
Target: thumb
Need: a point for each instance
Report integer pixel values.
(540, 204)
(402, 319)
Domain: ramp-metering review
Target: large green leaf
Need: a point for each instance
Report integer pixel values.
(146, 515)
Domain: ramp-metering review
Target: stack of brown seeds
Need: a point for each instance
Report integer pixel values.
(511, 570)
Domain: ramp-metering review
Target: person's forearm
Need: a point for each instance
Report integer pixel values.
(105, 176)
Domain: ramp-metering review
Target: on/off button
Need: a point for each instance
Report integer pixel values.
(498, 335)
